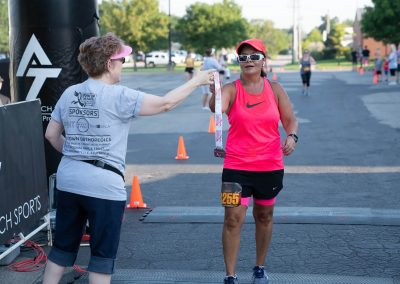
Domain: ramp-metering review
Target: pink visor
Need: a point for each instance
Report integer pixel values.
(126, 50)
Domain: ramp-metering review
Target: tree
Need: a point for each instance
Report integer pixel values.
(4, 38)
(381, 22)
(138, 23)
(275, 40)
(313, 41)
(219, 25)
(333, 46)
(348, 23)
(336, 38)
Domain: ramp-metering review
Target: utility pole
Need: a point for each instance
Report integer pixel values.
(299, 35)
(295, 35)
(169, 36)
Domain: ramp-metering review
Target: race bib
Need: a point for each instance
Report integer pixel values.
(231, 192)
(306, 69)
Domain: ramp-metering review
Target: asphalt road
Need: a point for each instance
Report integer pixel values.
(347, 158)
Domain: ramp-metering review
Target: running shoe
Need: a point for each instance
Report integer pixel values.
(259, 275)
(231, 280)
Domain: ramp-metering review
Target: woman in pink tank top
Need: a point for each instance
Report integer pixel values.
(254, 153)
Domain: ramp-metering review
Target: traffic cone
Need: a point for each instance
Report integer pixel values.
(181, 153)
(274, 77)
(136, 200)
(211, 126)
(375, 80)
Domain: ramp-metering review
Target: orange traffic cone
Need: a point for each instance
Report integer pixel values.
(136, 200)
(375, 80)
(211, 126)
(274, 77)
(181, 154)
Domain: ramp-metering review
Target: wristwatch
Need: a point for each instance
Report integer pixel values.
(295, 137)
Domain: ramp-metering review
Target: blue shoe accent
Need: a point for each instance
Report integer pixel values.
(259, 275)
(231, 280)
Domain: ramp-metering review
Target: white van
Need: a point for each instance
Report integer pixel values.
(156, 58)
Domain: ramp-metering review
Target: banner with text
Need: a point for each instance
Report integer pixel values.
(23, 180)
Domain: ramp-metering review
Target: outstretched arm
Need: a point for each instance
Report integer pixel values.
(154, 104)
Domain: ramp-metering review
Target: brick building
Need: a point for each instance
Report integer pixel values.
(360, 41)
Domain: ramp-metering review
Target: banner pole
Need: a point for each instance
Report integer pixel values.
(24, 239)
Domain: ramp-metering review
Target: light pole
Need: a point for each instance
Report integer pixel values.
(295, 35)
(169, 36)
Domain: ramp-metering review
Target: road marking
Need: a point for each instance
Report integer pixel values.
(159, 172)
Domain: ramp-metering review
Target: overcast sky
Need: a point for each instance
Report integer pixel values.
(281, 11)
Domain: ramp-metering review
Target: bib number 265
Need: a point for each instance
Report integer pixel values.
(231, 193)
(230, 199)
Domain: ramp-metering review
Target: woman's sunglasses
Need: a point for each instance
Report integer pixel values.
(122, 59)
(252, 57)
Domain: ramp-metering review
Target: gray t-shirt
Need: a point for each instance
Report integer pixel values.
(96, 118)
(211, 63)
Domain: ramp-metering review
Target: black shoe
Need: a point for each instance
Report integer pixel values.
(259, 275)
(231, 280)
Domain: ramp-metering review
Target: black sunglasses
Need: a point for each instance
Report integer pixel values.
(122, 59)
(252, 57)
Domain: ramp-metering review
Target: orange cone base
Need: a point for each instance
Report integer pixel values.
(144, 205)
(181, 157)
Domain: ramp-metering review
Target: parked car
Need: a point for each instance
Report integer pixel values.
(198, 57)
(178, 56)
(156, 58)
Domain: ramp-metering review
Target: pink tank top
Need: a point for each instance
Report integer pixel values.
(253, 142)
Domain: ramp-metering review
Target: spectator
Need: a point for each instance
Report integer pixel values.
(365, 57)
(392, 64)
(377, 53)
(209, 63)
(398, 64)
(95, 116)
(378, 68)
(354, 58)
(223, 62)
(4, 100)
(386, 68)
